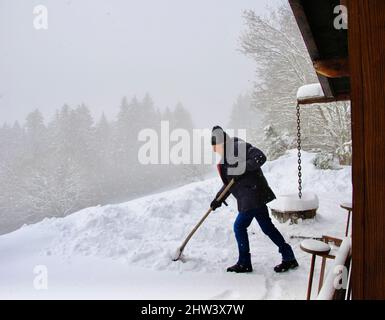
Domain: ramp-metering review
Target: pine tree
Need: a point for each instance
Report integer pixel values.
(276, 145)
(104, 171)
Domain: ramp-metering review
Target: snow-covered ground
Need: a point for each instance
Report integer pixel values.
(124, 251)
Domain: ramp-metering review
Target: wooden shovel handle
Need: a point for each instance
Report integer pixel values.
(220, 197)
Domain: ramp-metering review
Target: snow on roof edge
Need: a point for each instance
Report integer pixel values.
(307, 91)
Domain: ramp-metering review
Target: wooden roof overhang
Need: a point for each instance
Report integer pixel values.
(327, 47)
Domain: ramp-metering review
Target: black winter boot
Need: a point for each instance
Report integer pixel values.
(238, 268)
(286, 266)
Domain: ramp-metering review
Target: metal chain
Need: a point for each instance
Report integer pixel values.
(299, 151)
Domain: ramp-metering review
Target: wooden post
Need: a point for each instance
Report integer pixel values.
(348, 223)
(367, 68)
(311, 274)
(322, 274)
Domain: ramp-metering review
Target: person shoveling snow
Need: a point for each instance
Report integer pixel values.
(242, 162)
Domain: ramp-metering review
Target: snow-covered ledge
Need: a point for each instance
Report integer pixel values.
(310, 92)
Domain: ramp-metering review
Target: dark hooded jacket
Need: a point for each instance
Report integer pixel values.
(244, 161)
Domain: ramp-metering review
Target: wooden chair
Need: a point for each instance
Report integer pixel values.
(320, 248)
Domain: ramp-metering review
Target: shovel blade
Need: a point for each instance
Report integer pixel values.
(177, 255)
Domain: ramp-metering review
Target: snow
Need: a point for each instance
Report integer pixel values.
(292, 202)
(124, 251)
(347, 205)
(310, 91)
(315, 245)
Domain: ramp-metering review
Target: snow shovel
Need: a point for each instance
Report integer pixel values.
(179, 252)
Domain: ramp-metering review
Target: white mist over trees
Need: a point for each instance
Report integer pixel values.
(283, 65)
(244, 116)
(71, 162)
(56, 167)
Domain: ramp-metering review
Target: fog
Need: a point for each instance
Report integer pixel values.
(75, 95)
(189, 64)
(95, 52)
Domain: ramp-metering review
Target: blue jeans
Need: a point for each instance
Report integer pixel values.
(241, 224)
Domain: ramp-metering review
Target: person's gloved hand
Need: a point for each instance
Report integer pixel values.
(215, 204)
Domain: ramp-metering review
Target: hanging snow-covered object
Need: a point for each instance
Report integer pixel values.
(302, 205)
(291, 207)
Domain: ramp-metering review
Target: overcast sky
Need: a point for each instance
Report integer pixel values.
(97, 51)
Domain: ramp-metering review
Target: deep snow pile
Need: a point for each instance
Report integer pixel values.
(145, 232)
